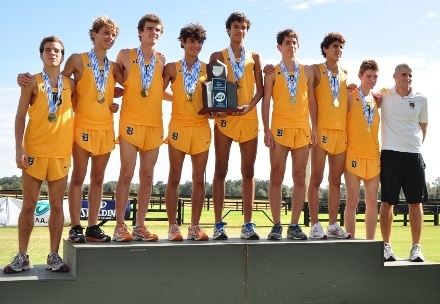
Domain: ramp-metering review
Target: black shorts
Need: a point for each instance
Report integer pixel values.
(402, 170)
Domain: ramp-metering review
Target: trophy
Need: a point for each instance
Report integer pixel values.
(219, 94)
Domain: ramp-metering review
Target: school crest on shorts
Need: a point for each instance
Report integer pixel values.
(174, 135)
(30, 160)
(353, 164)
(85, 137)
(324, 139)
(129, 130)
(280, 132)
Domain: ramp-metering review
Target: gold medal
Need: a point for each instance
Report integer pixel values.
(369, 129)
(144, 92)
(100, 97)
(237, 83)
(292, 99)
(336, 103)
(52, 117)
(189, 96)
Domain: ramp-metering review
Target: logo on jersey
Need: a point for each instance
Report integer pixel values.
(85, 137)
(280, 132)
(223, 123)
(412, 104)
(129, 130)
(324, 139)
(89, 65)
(175, 135)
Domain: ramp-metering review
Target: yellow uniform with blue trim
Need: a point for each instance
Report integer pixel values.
(241, 128)
(93, 120)
(48, 145)
(290, 124)
(363, 156)
(188, 131)
(331, 121)
(140, 122)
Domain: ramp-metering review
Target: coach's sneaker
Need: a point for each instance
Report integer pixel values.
(55, 263)
(416, 254)
(141, 233)
(219, 231)
(96, 234)
(248, 232)
(294, 232)
(197, 233)
(316, 232)
(122, 233)
(335, 231)
(388, 254)
(275, 233)
(19, 263)
(76, 235)
(174, 233)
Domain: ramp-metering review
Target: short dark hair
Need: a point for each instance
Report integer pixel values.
(51, 39)
(149, 18)
(286, 33)
(368, 64)
(329, 39)
(193, 30)
(237, 16)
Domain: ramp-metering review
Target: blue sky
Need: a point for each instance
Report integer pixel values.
(388, 31)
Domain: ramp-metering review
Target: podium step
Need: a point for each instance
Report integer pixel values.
(232, 271)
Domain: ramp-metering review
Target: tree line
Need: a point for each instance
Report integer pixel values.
(233, 188)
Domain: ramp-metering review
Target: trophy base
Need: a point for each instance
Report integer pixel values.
(222, 110)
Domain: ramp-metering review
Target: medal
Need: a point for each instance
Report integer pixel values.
(99, 75)
(146, 71)
(369, 129)
(291, 80)
(367, 108)
(336, 103)
(292, 99)
(53, 99)
(237, 66)
(334, 85)
(52, 117)
(100, 97)
(190, 78)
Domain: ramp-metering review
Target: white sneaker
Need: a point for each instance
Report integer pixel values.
(388, 254)
(316, 232)
(416, 254)
(335, 231)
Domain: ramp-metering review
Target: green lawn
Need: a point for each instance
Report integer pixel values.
(401, 236)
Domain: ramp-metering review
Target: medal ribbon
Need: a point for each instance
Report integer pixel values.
(334, 82)
(190, 79)
(367, 110)
(52, 99)
(146, 71)
(292, 85)
(237, 66)
(99, 81)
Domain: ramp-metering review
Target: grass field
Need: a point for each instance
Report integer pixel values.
(401, 235)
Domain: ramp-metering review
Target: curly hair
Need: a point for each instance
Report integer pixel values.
(101, 22)
(240, 17)
(286, 33)
(329, 39)
(192, 30)
(368, 64)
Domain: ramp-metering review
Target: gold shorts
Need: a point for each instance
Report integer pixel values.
(191, 140)
(365, 168)
(97, 142)
(237, 128)
(292, 138)
(332, 141)
(50, 169)
(143, 137)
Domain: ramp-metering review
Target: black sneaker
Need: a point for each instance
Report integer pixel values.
(76, 235)
(96, 234)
